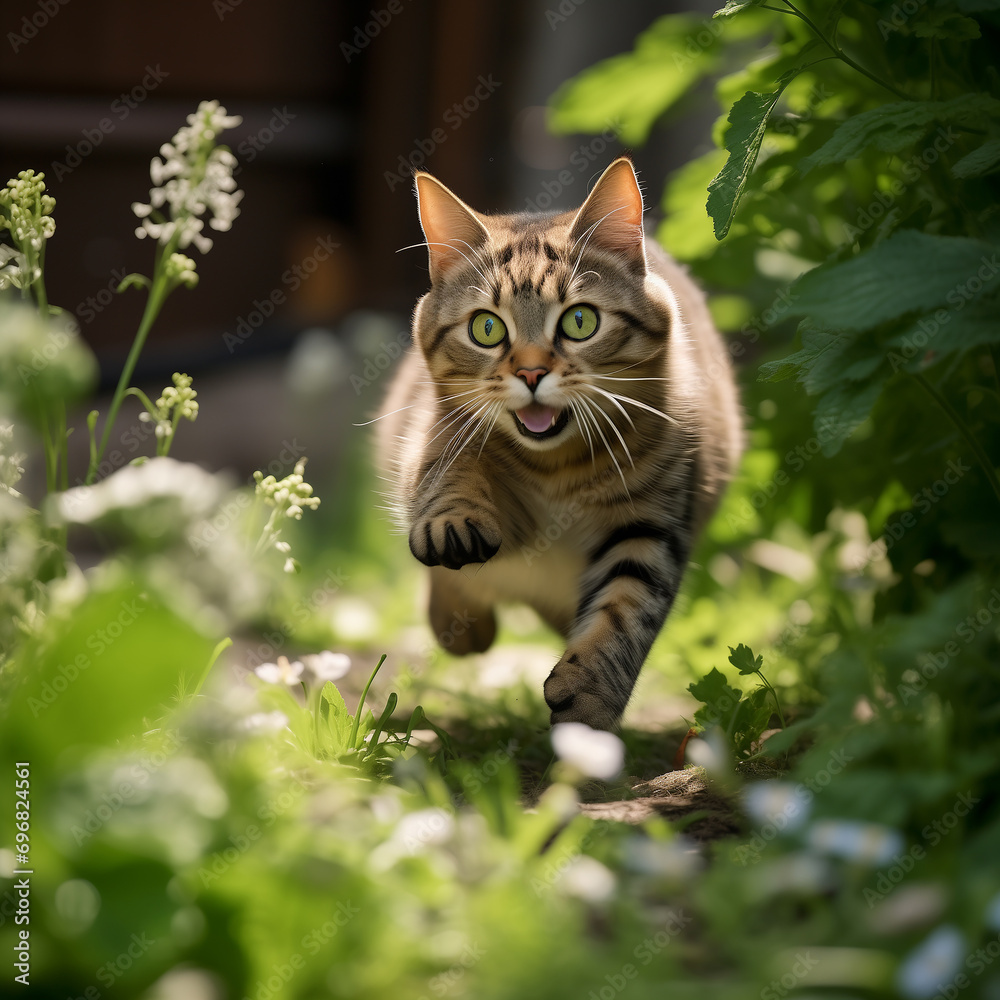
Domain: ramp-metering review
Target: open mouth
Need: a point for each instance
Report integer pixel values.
(540, 422)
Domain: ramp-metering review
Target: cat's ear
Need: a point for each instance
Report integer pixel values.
(611, 217)
(453, 230)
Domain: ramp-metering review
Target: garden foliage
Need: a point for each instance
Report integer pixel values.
(197, 828)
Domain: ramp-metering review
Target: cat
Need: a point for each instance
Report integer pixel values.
(561, 429)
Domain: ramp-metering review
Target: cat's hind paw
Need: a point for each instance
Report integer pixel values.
(573, 696)
(453, 541)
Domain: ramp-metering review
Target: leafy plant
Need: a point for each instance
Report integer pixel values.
(742, 718)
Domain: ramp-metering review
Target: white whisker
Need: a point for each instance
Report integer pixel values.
(635, 402)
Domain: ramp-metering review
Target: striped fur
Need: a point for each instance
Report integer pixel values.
(594, 525)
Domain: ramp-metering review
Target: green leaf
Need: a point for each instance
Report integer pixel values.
(339, 719)
(734, 6)
(720, 700)
(743, 659)
(893, 128)
(909, 272)
(938, 335)
(105, 674)
(686, 230)
(980, 161)
(747, 124)
(629, 92)
(947, 24)
(843, 409)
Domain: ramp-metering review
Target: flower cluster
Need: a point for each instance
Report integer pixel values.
(11, 468)
(176, 401)
(193, 176)
(288, 497)
(318, 667)
(25, 210)
(180, 270)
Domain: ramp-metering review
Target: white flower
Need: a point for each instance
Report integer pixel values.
(281, 672)
(327, 666)
(676, 858)
(932, 964)
(710, 750)
(193, 176)
(587, 879)
(868, 843)
(423, 828)
(196, 492)
(265, 722)
(594, 752)
(778, 803)
(12, 265)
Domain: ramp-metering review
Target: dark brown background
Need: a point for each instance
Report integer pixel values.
(349, 116)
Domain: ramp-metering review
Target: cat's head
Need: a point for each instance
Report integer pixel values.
(540, 326)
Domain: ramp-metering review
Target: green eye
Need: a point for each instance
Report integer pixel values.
(579, 322)
(487, 329)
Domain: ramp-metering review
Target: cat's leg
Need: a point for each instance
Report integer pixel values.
(626, 593)
(454, 521)
(462, 623)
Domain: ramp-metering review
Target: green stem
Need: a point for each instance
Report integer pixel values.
(39, 284)
(361, 704)
(774, 694)
(963, 429)
(157, 296)
(841, 54)
(220, 647)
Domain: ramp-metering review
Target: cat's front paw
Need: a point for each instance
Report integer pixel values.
(576, 694)
(454, 541)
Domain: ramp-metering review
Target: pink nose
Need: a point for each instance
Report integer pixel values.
(531, 376)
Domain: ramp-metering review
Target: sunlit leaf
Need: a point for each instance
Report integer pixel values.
(747, 124)
(893, 128)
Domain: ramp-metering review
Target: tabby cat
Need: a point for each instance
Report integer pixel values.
(559, 432)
